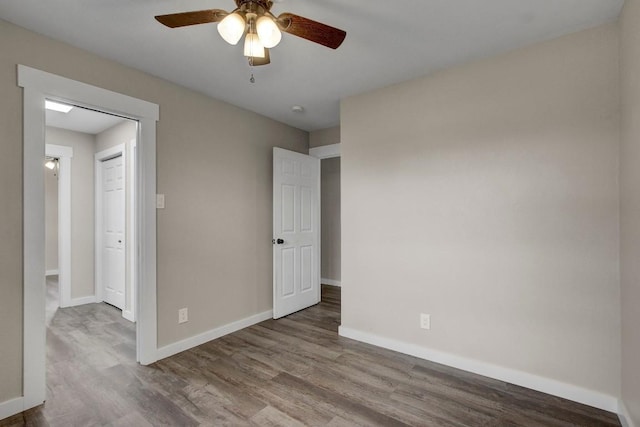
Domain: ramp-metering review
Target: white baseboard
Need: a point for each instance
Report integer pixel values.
(82, 301)
(11, 407)
(212, 334)
(624, 416)
(51, 272)
(545, 385)
(331, 282)
(128, 314)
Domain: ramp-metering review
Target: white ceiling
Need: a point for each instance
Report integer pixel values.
(387, 42)
(82, 120)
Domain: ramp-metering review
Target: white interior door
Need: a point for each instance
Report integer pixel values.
(113, 229)
(296, 232)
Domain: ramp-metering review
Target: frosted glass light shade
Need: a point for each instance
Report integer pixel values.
(268, 32)
(232, 27)
(252, 46)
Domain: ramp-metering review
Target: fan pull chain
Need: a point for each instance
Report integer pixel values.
(252, 79)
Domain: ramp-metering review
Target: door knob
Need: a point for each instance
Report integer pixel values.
(279, 241)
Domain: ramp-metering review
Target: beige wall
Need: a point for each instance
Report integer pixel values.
(213, 164)
(330, 218)
(82, 207)
(487, 196)
(10, 228)
(324, 137)
(630, 205)
(51, 219)
(122, 133)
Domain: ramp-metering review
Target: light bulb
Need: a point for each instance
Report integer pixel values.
(50, 164)
(231, 28)
(253, 47)
(268, 32)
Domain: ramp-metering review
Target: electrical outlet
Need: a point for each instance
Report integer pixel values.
(425, 321)
(183, 315)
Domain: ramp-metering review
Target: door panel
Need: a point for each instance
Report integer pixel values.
(306, 210)
(288, 271)
(113, 232)
(306, 272)
(288, 208)
(296, 232)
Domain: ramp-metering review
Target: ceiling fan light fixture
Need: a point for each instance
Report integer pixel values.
(253, 47)
(232, 27)
(268, 31)
(262, 30)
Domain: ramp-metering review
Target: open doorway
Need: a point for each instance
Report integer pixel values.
(330, 269)
(90, 207)
(39, 86)
(89, 235)
(330, 198)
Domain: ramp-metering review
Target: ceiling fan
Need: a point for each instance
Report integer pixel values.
(263, 29)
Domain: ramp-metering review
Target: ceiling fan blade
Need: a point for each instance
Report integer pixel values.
(255, 61)
(184, 19)
(311, 30)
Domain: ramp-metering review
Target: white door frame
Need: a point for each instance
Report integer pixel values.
(131, 312)
(325, 151)
(64, 155)
(37, 86)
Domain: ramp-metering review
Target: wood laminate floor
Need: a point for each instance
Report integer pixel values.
(290, 372)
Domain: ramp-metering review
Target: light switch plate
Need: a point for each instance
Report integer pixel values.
(160, 201)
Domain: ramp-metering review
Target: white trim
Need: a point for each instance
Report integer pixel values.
(212, 334)
(33, 352)
(331, 282)
(54, 150)
(129, 315)
(524, 379)
(108, 154)
(91, 299)
(84, 95)
(325, 151)
(64, 230)
(55, 272)
(624, 416)
(146, 251)
(11, 407)
(38, 85)
(64, 155)
(129, 312)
